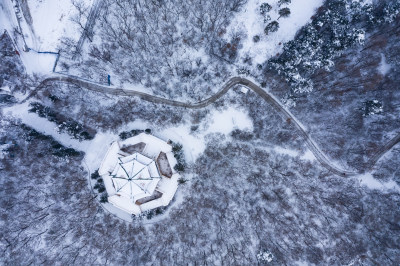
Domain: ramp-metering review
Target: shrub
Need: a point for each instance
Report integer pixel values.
(372, 107)
(159, 211)
(194, 128)
(73, 128)
(284, 12)
(95, 175)
(128, 134)
(176, 147)
(180, 167)
(243, 71)
(54, 98)
(284, 2)
(271, 27)
(256, 38)
(265, 8)
(182, 180)
(104, 198)
(149, 214)
(65, 152)
(99, 186)
(56, 148)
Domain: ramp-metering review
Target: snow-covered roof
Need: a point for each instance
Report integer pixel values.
(135, 177)
(153, 144)
(132, 177)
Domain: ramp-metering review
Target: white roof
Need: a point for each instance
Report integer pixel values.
(135, 177)
(153, 144)
(110, 160)
(122, 203)
(129, 177)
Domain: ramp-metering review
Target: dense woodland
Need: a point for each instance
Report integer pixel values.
(244, 203)
(289, 207)
(175, 48)
(341, 94)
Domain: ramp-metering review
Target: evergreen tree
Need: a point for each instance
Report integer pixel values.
(265, 8)
(284, 2)
(271, 27)
(284, 12)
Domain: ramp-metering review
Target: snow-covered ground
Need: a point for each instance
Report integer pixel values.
(223, 122)
(52, 20)
(250, 21)
(384, 67)
(38, 63)
(369, 181)
(136, 87)
(43, 125)
(194, 143)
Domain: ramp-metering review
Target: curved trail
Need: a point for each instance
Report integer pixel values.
(319, 155)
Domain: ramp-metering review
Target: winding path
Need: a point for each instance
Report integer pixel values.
(286, 114)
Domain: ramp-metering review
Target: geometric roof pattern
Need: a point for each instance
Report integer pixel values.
(130, 173)
(135, 176)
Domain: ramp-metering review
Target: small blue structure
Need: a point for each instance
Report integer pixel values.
(109, 80)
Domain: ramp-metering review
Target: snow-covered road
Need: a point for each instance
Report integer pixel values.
(285, 113)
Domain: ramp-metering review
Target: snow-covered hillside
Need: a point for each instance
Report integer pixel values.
(250, 21)
(171, 132)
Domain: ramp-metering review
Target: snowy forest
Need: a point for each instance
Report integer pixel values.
(283, 117)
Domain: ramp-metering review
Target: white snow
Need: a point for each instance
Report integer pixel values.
(224, 122)
(97, 148)
(281, 150)
(136, 87)
(265, 256)
(384, 67)
(43, 125)
(52, 21)
(369, 181)
(308, 155)
(117, 212)
(250, 21)
(193, 146)
(140, 172)
(219, 122)
(244, 90)
(5, 88)
(153, 144)
(38, 63)
(33, 62)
